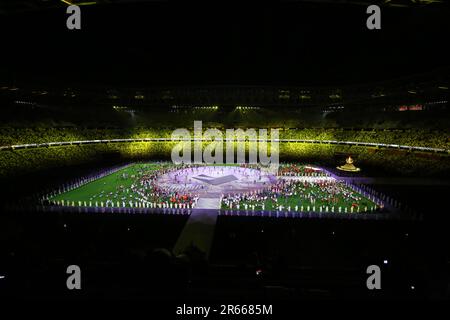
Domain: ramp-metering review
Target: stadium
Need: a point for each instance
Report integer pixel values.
(305, 169)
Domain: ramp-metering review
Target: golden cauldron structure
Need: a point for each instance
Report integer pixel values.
(349, 166)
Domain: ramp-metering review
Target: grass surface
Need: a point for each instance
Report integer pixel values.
(302, 198)
(116, 187)
(111, 187)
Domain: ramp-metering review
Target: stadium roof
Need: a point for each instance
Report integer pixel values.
(9, 6)
(145, 43)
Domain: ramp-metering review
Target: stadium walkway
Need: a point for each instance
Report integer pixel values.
(199, 229)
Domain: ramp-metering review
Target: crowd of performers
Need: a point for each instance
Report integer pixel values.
(144, 192)
(148, 189)
(296, 195)
(296, 170)
(311, 192)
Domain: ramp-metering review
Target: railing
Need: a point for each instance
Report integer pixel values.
(334, 142)
(311, 215)
(97, 210)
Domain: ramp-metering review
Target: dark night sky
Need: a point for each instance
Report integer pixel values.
(168, 43)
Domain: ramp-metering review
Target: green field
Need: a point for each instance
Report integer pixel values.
(116, 189)
(111, 187)
(302, 199)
